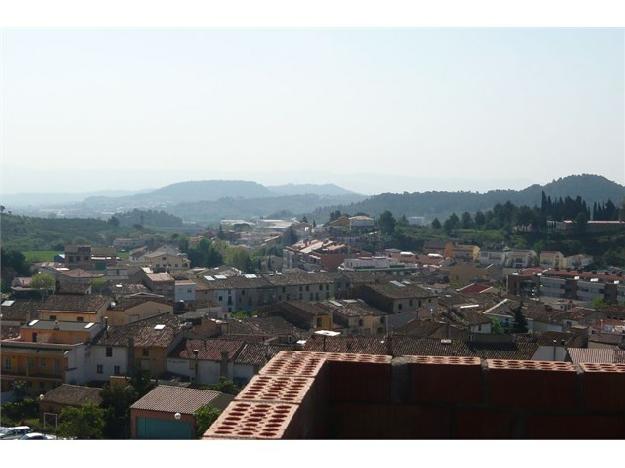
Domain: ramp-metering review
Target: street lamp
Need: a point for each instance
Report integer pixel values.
(177, 416)
(196, 353)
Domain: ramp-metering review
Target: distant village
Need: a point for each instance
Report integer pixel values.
(97, 315)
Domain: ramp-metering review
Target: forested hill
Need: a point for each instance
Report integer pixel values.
(28, 233)
(591, 188)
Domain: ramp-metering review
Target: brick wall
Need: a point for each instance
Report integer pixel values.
(342, 395)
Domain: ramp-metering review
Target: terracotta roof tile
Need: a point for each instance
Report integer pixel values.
(180, 400)
(73, 395)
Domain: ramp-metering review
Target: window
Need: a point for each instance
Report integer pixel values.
(381, 319)
(307, 288)
(109, 351)
(321, 287)
(319, 322)
(243, 292)
(56, 365)
(42, 363)
(99, 369)
(34, 337)
(145, 352)
(360, 322)
(221, 298)
(42, 385)
(52, 317)
(310, 297)
(80, 319)
(7, 363)
(411, 302)
(116, 370)
(300, 288)
(400, 306)
(283, 289)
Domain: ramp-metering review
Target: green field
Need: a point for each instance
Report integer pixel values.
(34, 256)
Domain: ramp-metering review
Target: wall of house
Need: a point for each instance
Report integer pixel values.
(155, 361)
(72, 316)
(169, 427)
(97, 356)
(184, 292)
(139, 312)
(243, 373)
(41, 369)
(208, 371)
(55, 336)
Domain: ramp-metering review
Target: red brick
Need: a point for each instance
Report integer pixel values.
(484, 424)
(360, 380)
(447, 379)
(603, 386)
(532, 384)
(419, 422)
(275, 388)
(255, 420)
(294, 363)
(575, 427)
(351, 420)
(303, 391)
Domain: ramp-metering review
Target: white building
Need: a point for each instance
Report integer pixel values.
(416, 220)
(104, 361)
(492, 257)
(184, 290)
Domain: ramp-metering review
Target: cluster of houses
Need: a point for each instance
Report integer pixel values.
(107, 318)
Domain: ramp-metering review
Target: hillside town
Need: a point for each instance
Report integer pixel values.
(182, 338)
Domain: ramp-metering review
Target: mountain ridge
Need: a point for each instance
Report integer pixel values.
(592, 188)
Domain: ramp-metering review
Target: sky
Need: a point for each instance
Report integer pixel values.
(373, 110)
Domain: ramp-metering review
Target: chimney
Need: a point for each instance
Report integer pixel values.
(223, 364)
(106, 326)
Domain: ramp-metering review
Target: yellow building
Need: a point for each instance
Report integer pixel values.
(74, 307)
(47, 354)
(130, 310)
(466, 252)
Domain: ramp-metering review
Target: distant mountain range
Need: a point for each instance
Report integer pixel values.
(206, 201)
(209, 201)
(592, 188)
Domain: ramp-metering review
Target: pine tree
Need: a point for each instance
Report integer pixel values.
(520, 322)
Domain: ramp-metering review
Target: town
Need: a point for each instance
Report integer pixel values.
(169, 336)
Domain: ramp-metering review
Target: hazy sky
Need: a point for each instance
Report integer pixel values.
(371, 109)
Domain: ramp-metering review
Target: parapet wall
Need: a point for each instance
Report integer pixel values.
(302, 394)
